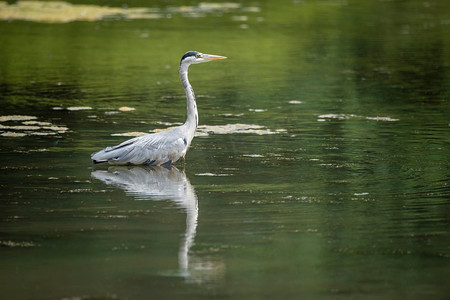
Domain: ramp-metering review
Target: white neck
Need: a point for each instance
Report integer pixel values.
(192, 113)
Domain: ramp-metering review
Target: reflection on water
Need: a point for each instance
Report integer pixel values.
(161, 183)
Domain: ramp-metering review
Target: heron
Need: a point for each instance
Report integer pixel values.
(165, 147)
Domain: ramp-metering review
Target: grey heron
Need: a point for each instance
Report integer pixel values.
(165, 147)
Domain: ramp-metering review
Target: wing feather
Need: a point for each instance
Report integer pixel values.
(156, 149)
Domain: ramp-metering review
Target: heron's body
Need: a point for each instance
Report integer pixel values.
(164, 147)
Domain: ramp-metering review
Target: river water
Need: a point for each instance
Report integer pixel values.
(320, 169)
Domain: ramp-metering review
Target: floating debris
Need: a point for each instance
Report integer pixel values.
(75, 108)
(37, 123)
(126, 108)
(204, 7)
(386, 119)
(20, 127)
(213, 175)
(16, 118)
(337, 116)
(257, 109)
(240, 18)
(60, 129)
(41, 133)
(168, 123)
(323, 118)
(132, 133)
(251, 9)
(13, 244)
(219, 6)
(39, 150)
(205, 130)
(28, 127)
(231, 115)
(295, 102)
(253, 155)
(162, 129)
(12, 134)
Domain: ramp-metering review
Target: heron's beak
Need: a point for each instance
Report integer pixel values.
(209, 57)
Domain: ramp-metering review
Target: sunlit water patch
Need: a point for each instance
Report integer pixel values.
(63, 12)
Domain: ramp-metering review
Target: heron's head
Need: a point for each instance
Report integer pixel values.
(194, 57)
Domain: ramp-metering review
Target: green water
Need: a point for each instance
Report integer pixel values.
(337, 186)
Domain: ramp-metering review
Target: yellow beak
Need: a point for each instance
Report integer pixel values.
(213, 57)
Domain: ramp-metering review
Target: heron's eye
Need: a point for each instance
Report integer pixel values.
(198, 55)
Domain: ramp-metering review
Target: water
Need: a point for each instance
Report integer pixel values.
(320, 169)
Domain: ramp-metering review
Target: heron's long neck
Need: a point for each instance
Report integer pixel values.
(192, 113)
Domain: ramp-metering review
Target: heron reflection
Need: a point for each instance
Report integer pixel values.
(159, 183)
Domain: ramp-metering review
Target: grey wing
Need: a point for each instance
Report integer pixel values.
(152, 149)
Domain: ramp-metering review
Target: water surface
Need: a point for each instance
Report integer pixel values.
(320, 169)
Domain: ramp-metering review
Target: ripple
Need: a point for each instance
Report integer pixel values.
(63, 12)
